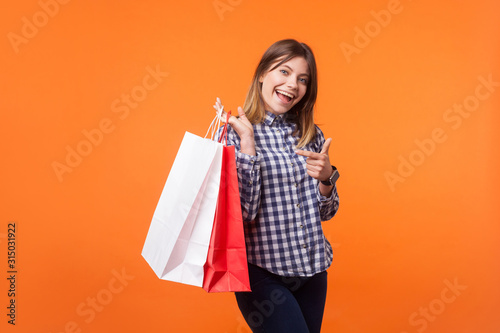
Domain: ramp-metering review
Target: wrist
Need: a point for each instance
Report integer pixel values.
(248, 147)
(330, 181)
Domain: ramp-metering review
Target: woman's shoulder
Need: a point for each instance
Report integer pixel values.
(318, 140)
(318, 130)
(320, 137)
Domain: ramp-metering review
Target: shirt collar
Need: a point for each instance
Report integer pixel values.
(271, 118)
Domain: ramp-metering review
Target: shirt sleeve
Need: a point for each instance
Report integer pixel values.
(249, 180)
(328, 206)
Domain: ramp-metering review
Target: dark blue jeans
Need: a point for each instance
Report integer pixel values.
(283, 304)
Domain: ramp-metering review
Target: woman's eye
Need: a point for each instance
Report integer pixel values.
(283, 71)
(302, 80)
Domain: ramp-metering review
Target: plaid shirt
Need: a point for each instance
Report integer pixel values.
(281, 204)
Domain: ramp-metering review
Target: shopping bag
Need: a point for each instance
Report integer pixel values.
(226, 268)
(177, 242)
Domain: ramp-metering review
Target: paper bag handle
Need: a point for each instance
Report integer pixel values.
(223, 134)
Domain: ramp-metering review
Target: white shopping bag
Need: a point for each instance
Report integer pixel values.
(177, 243)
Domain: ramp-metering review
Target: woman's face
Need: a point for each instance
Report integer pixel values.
(284, 86)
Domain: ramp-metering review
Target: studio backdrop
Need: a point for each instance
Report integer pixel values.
(96, 97)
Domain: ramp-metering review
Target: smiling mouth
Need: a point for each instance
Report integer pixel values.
(286, 97)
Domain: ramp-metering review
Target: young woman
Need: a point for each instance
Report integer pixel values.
(287, 187)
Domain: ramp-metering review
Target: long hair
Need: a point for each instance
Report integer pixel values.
(279, 53)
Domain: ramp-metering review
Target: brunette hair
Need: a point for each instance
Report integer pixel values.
(279, 53)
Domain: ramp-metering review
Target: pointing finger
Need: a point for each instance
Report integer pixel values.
(305, 153)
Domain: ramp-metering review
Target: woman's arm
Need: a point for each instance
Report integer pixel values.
(241, 135)
(320, 168)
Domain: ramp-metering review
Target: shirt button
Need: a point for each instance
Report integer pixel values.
(298, 205)
(296, 185)
(250, 182)
(252, 161)
(301, 226)
(304, 246)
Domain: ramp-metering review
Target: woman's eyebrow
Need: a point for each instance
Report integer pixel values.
(290, 68)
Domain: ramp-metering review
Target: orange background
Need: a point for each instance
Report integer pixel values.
(396, 248)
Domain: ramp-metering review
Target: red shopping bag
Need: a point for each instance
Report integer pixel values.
(226, 268)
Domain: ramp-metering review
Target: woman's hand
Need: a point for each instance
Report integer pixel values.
(241, 125)
(319, 166)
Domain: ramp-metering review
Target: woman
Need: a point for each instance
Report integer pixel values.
(287, 187)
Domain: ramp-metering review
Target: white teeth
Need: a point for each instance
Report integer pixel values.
(285, 93)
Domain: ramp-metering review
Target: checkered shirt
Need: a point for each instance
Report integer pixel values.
(281, 204)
